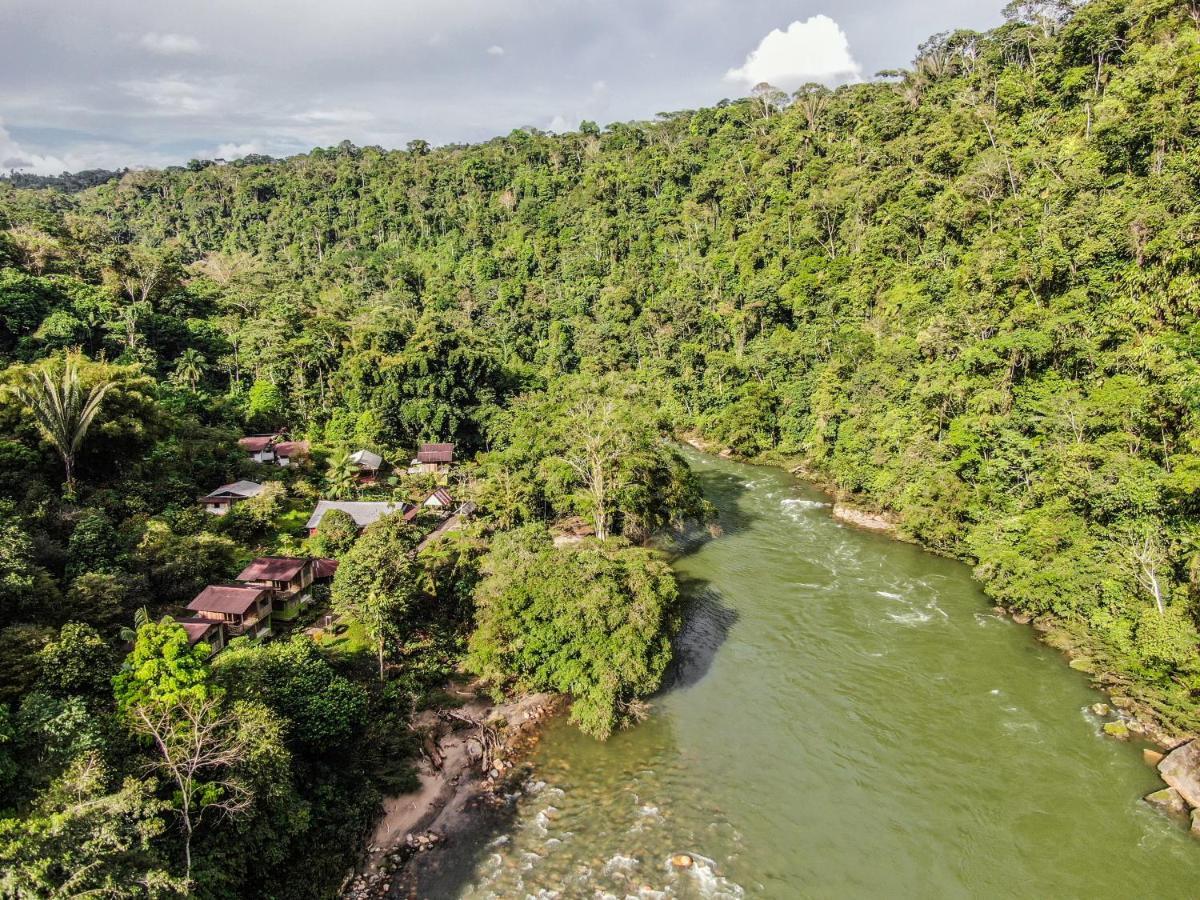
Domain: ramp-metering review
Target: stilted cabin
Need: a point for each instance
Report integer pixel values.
(432, 459)
(289, 578)
(363, 512)
(207, 631)
(221, 501)
(368, 465)
(244, 609)
(261, 447)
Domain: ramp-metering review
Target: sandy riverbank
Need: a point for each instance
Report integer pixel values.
(467, 751)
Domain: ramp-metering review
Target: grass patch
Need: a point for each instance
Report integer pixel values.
(352, 641)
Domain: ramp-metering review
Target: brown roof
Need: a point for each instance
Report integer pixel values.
(324, 568)
(288, 449)
(411, 514)
(435, 453)
(273, 568)
(256, 443)
(238, 599)
(442, 496)
(197, 628)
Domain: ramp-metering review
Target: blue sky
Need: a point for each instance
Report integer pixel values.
(132, 82)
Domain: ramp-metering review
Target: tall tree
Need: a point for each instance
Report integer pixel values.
(63, 411)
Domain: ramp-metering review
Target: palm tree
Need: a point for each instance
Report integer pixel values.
(190, 367)
(62, 411)
(342, 475)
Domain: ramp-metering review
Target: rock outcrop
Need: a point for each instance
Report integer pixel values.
(1169, 801)
(1181, 770)
(862, 519)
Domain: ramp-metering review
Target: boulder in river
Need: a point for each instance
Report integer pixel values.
(1181, 770)
(1151, 757)
(1116, 730)
(1101, 709)
(1196, 822)
(1168, 800)
(681, 861)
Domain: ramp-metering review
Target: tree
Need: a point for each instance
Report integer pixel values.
(266, 408)
(93, 545)
(336, 534)
(376, 581)
(62, 410)
(324, 710)
(88, 835)
(190, 367)
(163, 669)
(99, 598)
(198, 749)
(594, 621)
(341, 476)
(78, 663)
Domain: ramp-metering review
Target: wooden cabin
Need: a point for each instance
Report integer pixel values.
(208, 631)
(289, 578)
(221, 501)
(244, 609)
(432, 459)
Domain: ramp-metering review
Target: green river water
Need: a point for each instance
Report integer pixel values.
(847, 718)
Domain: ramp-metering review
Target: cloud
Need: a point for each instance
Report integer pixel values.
(495, 50)
(175, 95)
(813, 50)
(14, 156)
(231, 150)
(87, 152)
(169, 44)
(333, 117)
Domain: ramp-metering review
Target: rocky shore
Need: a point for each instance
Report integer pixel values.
(468, 754)
(1180, 769)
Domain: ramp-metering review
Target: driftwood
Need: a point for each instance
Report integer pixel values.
(486, 735)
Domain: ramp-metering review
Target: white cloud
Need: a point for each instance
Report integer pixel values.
(813, 50)
(333, 117)
(495, 50)
(175, 95)
(86, 154)
(169, 44)
(231, 150)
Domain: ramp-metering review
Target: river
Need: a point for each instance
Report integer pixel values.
(847, 718)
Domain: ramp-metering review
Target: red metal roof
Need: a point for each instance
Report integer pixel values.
(288, 449)
(238, 599)
(257, 443)
(324, 568)
(197, 628)
(435, 453)
(273, 568)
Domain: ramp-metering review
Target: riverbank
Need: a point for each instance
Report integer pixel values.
(468, 754)
(1134, 704)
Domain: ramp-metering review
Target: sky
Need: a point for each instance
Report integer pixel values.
(86, 84)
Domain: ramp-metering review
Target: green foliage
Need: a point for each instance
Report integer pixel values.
(89, 834)
(163, 669)
(594, 621)
(179, 566)
(594, 449)
(376, 582)
(336, 534)
(324, 710)
(78, 663)
(266, 407)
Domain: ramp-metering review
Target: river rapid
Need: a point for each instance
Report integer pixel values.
(846, 718)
